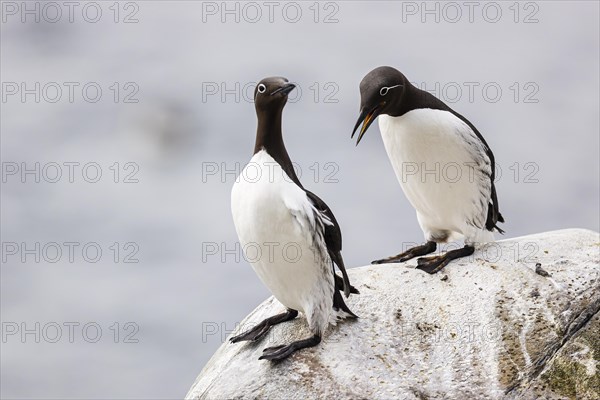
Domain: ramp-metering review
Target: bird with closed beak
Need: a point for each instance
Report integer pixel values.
(273, 211)
(443, 164)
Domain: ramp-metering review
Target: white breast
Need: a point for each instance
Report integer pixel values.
(276, 225)
(443, 169)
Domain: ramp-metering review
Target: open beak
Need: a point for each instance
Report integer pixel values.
(366, 117)
(285, 89)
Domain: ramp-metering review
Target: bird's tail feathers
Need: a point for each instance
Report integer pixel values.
(341, 310)
(492, 220)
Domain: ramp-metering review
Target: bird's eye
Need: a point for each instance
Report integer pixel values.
(384, 91)
(262, 88)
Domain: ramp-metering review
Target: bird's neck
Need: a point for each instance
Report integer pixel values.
(270, 138)
(414, 98)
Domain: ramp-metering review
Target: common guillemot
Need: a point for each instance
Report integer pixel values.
(421, 132)
(276, 209)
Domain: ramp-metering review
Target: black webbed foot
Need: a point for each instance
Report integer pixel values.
(278, 353)
(434, 264)
(253, 334)
(262, 328)
(413, 252)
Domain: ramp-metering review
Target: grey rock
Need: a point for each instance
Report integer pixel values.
(478, 334)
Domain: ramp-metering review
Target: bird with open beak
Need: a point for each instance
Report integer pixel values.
(444, 166)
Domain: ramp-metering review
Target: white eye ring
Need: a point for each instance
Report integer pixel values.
(384, 90)
(262, 88)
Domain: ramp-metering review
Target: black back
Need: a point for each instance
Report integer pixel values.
(416, 98)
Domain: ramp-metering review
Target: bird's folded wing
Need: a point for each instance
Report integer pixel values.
(333, 238)
(317, 222)
(478, 173)
(493, 215)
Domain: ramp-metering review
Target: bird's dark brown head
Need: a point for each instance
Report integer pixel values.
(270, 95)
(381, 92)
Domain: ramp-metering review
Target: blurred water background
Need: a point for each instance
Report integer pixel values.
(184, 136)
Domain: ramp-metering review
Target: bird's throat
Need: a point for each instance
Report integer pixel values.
(269, 137)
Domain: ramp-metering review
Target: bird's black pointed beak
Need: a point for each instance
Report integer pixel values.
(366, 118)
(285, 89)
